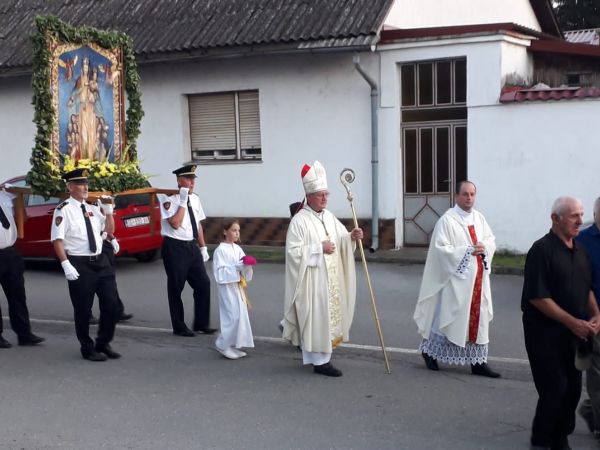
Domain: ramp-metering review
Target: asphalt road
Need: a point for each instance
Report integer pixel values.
(143, 290)
(169, 392)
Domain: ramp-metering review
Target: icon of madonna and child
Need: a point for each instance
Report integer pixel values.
(89, 104)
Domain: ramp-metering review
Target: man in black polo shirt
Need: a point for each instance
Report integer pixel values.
(559, 308)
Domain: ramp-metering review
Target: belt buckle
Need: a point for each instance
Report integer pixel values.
(94, 258)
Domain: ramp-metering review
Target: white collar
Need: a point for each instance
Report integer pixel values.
(466, 216)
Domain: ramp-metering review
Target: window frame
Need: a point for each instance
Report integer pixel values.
(244, 126)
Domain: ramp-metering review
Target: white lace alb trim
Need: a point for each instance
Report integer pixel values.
(463, 267)
(445, 351)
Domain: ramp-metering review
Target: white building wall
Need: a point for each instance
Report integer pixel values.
(16, 126)
(523, 156)
(311, 107)
(444, 13)
(489, 60)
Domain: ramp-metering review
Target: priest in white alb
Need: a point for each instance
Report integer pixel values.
(320, 276)
(454, 309)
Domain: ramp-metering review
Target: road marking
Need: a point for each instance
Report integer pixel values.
(405, 351)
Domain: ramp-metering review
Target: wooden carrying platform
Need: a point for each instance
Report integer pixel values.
(21, 192)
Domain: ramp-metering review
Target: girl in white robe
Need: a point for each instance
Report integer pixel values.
(231, 268)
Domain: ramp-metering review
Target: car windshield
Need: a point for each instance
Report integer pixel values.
(33, 199)
(123, 201)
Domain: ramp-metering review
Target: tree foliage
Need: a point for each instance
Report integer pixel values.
(577, 14)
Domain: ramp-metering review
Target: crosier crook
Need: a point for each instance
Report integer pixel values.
(347, 176)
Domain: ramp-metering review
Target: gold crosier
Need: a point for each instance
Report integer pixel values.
(346, 177)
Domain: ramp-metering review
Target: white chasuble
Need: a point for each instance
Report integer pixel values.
(233, 309)
(444, 300)
(320, 289)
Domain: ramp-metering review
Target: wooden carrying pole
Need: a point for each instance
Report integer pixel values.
(20, 192)
(346, 177)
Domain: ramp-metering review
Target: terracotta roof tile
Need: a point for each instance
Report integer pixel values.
(518, 95)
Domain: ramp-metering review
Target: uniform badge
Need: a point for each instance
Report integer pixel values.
(89, 214)
(167, 205)
(58, 220)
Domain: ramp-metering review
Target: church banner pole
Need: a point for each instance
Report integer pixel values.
(346, 177)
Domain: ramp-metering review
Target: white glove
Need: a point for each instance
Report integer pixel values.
(183, 196)
(115, 245)
(107, 208)
(205, 255)
(70, 272)
(6, 186)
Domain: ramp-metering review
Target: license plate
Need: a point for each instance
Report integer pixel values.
(137, 221)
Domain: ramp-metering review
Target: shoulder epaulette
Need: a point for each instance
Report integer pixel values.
(59, 207)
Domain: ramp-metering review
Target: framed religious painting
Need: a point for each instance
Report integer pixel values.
(87, 97)
(87, 107)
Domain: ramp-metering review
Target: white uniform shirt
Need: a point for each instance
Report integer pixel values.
(7, 237)
(68, 224)
(168, 208)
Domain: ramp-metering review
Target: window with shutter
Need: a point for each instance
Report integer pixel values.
(225, 126)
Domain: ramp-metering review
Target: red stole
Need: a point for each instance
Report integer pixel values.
(476, 298)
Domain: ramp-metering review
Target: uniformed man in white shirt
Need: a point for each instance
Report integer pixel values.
(184, 253)
(77, 229)
(11, 277)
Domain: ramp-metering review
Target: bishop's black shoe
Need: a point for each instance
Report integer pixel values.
(186, 332)
(30, 339)
(4, 343)
(124, 317)
(94, 356)
(430, 361)
(205, 330)
(328, 370)
(484, 370)
(108, 351)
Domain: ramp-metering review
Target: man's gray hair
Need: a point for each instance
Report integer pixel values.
(597, 206)
(560, 204)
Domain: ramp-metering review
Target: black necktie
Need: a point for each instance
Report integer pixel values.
(90, 232)
(193, 220)
(4, 219)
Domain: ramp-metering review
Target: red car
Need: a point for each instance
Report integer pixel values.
(132, 225)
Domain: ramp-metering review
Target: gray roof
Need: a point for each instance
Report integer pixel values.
(171, 27)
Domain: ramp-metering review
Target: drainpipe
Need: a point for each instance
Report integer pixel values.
(374, 155)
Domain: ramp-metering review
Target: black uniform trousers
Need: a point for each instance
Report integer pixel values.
(96, 277)
(183, 262)
(551, 352)
(109, 251)
(13, 284)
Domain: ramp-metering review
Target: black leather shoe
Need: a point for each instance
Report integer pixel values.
(186, 332)
(206, 330)
(108, 351)
(484, 370)
(430, 361)
(4, 343)
(30, 339)
(93, 320)
(328, 370)
(94, 356)
(587, 415)
(561, 444)
(124, 317)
